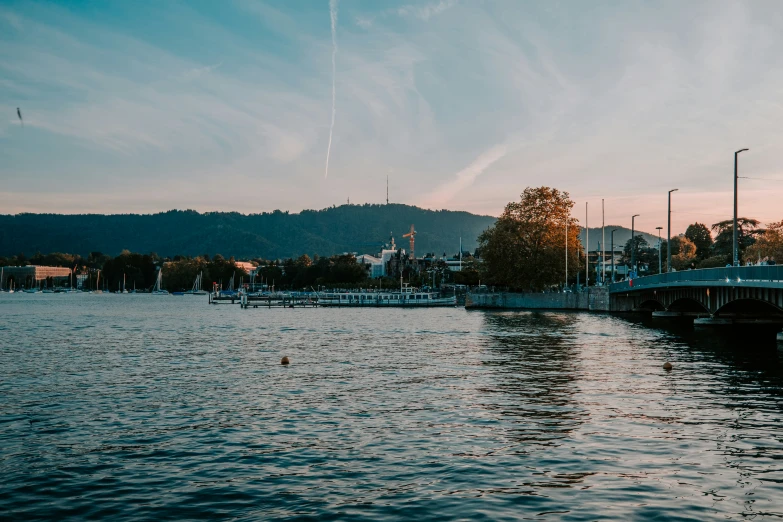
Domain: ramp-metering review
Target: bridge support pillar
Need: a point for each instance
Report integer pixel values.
(713, 321)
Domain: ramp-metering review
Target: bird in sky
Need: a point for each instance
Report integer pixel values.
(19, 113)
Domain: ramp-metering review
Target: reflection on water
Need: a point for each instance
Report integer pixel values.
(142, 407)
(535, 370)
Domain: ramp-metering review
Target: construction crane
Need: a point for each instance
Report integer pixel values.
(412, 235)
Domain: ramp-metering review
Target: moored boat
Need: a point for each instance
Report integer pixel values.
(406, 297)
(197, 290)
(157, 289)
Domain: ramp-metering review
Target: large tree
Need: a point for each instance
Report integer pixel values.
(768, 245)
(646, 256)
(700, 235)
(525, 248)
(683, 253)
(747, 231)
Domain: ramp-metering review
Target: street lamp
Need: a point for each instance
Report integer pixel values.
(669, 235)
(633, 244)
(659, 247)
(735, 253)
(612, 236)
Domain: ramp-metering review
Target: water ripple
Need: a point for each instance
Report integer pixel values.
(141, 407)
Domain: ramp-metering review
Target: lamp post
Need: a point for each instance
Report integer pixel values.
(587, 250)
(659, 247)
(669, 235)
(566, 250)
(603, 245)
(633, 243)
(734, 243)
(612, 236)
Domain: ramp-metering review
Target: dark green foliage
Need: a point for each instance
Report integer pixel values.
(747, 231)
(701, 237)
(272, 235)
(139, 271)
(645, 254)
(712, 262)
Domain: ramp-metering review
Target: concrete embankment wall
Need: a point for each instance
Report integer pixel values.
(595, 299)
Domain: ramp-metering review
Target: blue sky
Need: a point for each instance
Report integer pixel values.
(147, 106)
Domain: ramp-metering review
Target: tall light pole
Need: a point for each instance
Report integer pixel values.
(659, 248)
(735, 249)
(669, 235)
(603, 246)
(612, 235)
(587, 250)
(633, 243)
(566, 250)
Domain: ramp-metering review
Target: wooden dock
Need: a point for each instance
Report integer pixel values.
(224, 299)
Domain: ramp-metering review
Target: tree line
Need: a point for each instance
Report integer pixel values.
(139, 271)
(696, 248)
(534, 243)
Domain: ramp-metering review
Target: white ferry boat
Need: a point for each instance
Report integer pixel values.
(405, 297)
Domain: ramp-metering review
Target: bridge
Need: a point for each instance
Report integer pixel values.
(712, 296)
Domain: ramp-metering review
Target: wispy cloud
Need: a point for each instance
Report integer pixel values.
(465, 177)
(199, 71)
(11, 19)
(421, 12)
(333, 16)
(426, 11)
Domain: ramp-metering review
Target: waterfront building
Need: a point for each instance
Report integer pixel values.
(32, 275)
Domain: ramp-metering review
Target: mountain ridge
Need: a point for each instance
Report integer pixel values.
(271, 235)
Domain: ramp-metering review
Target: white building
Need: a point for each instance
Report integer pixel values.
(377, 266)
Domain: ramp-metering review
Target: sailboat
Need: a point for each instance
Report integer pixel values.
(196, 290)
(157, 289)
(124, 290)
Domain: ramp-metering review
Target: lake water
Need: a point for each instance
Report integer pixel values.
(140, 407)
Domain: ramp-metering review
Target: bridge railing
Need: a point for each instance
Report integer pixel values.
(718, 275)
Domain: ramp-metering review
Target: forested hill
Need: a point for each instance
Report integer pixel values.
(347, 228)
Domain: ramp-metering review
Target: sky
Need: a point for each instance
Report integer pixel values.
(146, 106)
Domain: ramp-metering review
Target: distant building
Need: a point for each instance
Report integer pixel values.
(455, 265)
(246, 266)
(31, 275)
(377, 268)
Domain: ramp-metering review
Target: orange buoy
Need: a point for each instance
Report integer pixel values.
(667, 365)
(284, 360)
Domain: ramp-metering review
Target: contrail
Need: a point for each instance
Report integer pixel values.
(333, 13)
